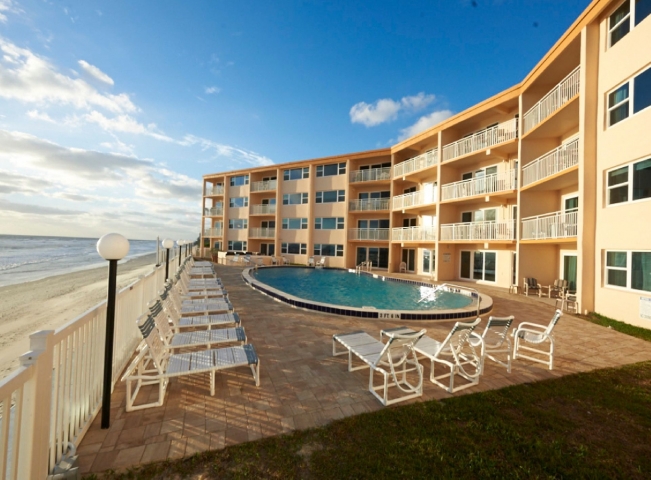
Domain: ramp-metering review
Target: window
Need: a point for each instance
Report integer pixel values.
(236, 246)
(329, 223)
(294, 198)
(635, 177)
(630, 270)
(238, 223)
(629, 98)
(331, 196)
(331, 169)
(328, 250)
(239, 180)
(481, 265)
(295, 248)
(239, 202)
(294, 223)
(619, 22)
(296, 173)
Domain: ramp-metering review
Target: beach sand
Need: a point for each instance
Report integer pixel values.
(51, 302)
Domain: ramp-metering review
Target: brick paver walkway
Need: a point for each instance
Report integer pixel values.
(302, 385)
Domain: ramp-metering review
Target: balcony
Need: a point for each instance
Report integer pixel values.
(503, 230)
(494, 183)
(500, 133)
(421, 162)
(560, 159)
(214, 211)
(558, 96)
(373, 234)
(369, 205)
(414, 234)
(263, 232)
(551, 226)
(263, 210)
(212, 232)
(264, 186)
(370, 175)
(414, 199)
(216, 190)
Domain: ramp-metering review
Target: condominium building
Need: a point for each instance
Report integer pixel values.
(549, 179)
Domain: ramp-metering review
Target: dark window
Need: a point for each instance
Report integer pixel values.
(642, 90)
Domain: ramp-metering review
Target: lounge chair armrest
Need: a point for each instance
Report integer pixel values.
(529, 325)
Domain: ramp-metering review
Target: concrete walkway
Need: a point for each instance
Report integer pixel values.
(303, 385)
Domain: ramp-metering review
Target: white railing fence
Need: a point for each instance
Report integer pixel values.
(370, 204)
(214, 211)
(262, 232)
(263, 209)
(496, 182)
(368, 234)
(501, 230)
(370, 175)
(551, 163)
(215, 190)
(553, 100)
(411, 234)
(488, 137)
(551, 225)
(421, 162)
(414, 199)
(212, 232)
(264, 185)
(52, 398)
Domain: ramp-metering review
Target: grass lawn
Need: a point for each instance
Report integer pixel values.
(588, 425)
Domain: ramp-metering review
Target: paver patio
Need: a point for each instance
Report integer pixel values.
(302, 385)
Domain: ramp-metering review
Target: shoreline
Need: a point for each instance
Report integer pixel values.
(51, 302)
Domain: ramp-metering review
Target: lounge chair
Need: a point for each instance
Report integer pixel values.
(196, 322)
(535, 334)
(394, 360)
(495, 339)
(531, 284)
(172, 302)
(558, 288)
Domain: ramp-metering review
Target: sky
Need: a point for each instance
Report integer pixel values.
(112, 111)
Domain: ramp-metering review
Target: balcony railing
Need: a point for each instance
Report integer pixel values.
(214, 211)
(496, 182)
(368, 205)
(413, 234)
(502, 230)
(212, 232)
(551, 163)
(550, 226)
(414, 199)
(501, 132)
(421, 162)
(264, 186)
(263, 209)
(370, 175)
(381, 234)
(263, 232)
(555, 99)
(216, 190)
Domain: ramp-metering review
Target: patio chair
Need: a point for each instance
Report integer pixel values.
(310, 262)
(568, 301)
(321, 263)
(234, 259)
(537, 335)
(558, 288)
(403, 268)
(172, 302)
(531, 284)
(494, 339)
(394, 360)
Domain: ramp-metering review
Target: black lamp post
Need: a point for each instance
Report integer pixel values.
(180, 244)
(111, 247)
(167, 244)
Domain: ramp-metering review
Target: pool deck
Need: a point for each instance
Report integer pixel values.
(302, 385)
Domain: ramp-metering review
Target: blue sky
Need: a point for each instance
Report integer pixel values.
(111, 112)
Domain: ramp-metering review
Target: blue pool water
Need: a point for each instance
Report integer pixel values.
(340, 287)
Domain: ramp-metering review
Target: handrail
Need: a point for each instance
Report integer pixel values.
(418, 233)
(551, 163)
(551, 225)
(262, 232)
(215, 191)
(415, 199)
(260, 209)
(370, 204)
(418, 163)
(497, 230)
(558, 96)
(370, 175)
(264, 185)
(488, 137)
(381, 234)
(217, 211)
(493, 183)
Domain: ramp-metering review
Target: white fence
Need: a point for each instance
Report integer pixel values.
(368, 205)
(414, 199)
(488, 137)
(550, 226)
(370, 175)
(212, 232)
(264, 186)
(421, 162)
(263, 232)
(496, 182)
(381, 234)
(413, 234)
(263, 209)
(552, 101)
(53, 397)
(214, 211)
(502, 230)
(551, 163)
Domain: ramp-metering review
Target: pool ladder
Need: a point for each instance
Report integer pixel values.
(364, 265)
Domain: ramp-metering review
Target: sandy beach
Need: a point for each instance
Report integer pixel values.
(51, 302)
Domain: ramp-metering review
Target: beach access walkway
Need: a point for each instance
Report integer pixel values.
(302, 385)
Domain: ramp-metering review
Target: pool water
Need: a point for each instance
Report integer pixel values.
(340, 287)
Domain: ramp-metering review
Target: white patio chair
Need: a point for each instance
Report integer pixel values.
(321, 263)
(494, 339)
(539, 335)
(568, 301)
(310, 262)
(403, 268)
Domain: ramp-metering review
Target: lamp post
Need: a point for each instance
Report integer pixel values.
(111, 247)
(167, 244)
(180, 244)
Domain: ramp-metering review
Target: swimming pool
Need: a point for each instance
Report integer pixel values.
(345, 293)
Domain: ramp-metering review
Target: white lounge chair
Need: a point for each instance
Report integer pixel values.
(170, 326)
(494, 339)
(535, 334)
(172, 302)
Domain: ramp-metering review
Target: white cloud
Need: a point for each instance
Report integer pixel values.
(386, 109)
(5, 7)
(95, 72)
(233, 153)
(424, 122)
(125, 124)
(211, 90)
(11, 182)
(36, 115)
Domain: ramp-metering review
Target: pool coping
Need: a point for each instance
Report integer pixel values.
(366, 312)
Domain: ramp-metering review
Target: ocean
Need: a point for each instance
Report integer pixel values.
(25, 258)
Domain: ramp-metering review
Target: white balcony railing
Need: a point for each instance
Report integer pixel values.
(502, 230)
(414, 199)
(501, 132)
(551, 225)
(370, 175)
(264, 186)
(413, 234)
(421, 162)
(551, 163)
(263, 232)
(381, 234)
(214, 211)
(216, 190)
(555, 99)
(496, 182)
(371, 204)
(263, 209)
(212, 232)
